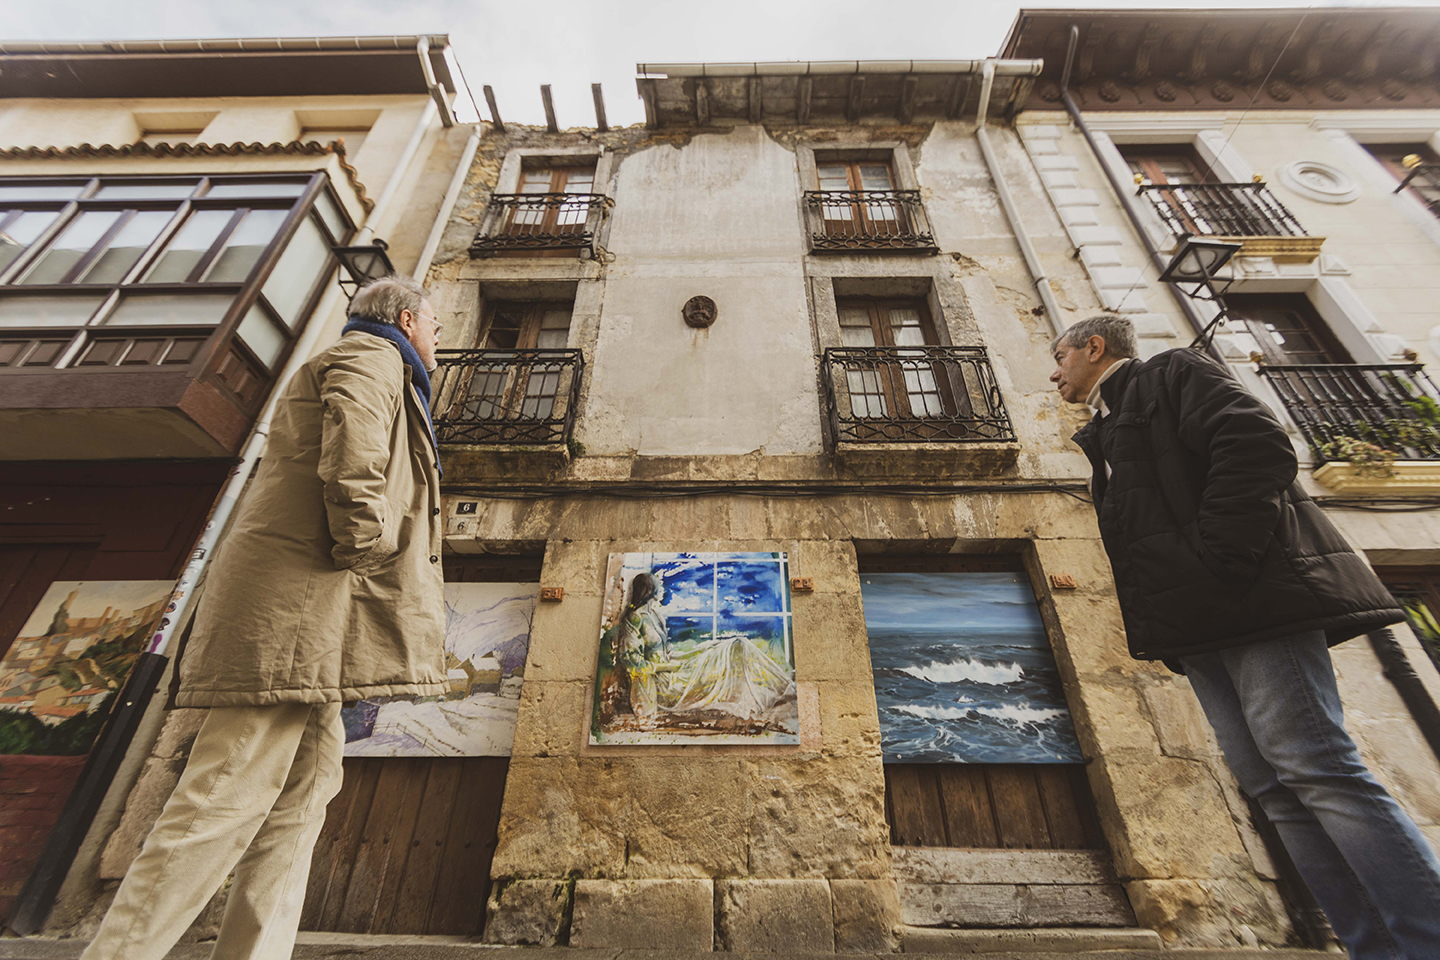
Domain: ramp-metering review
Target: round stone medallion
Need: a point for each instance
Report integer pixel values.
(1319, 181)
(699, 312)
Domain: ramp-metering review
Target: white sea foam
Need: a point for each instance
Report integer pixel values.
(975, 671)
(938, 712)
(1020, 715)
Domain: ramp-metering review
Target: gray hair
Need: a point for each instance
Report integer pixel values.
(1117, 332)
(383, 300)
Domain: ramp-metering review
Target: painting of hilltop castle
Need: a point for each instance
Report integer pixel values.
(696, 648)
(70, 659)
(487, 638)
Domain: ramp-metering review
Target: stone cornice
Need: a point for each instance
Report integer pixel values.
(1327, 58)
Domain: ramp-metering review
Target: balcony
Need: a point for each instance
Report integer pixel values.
(1376, 427)
(916, 410)
(539, 224)
(1424, 179)
(149, 316)
(1244, 213)
(868, 221)
(506, 398)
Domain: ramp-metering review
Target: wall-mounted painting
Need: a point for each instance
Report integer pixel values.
(964, 671)
(487, 638)
(70, 659)
(696, 648)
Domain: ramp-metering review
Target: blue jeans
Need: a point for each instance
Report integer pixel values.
(1277, 715)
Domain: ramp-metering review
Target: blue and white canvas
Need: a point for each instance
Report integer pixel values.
(696, 648)
(964, 671)
(487, 638)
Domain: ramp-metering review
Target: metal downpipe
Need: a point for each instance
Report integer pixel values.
(1187, 306)
(1007, 202)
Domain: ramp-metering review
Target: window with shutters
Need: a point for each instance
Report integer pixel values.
(520, 384)
(856, 204)
(554, 211)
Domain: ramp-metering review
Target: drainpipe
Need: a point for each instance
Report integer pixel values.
(447, 206)
(402, 167)
(437, 92)
(36, 898)
(1123, 193)
(1027, 250)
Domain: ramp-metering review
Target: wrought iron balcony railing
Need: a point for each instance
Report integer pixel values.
(924, 394)
(868, 220)
(1424, 178)
(1393, 406)
(539, 221)
(1222, 209)
(506, 396)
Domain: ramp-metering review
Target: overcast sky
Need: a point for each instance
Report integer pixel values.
(517, 45)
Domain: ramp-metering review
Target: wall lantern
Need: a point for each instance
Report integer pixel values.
(363, 263)
(1195, 265)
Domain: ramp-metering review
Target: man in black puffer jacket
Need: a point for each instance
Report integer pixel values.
(1227, 571)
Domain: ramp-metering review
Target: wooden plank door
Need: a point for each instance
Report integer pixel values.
(406, 847)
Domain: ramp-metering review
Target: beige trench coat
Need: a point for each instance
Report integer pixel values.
(328, 587)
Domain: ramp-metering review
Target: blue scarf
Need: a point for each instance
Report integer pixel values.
(419, 376)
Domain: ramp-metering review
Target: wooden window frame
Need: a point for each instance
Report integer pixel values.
(498, 218)
(222, 357)
(897, 402)
(1315, 325)
(1147, 155)
(1426, 584)
(535, 311)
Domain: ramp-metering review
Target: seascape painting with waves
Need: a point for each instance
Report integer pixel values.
(963, 670)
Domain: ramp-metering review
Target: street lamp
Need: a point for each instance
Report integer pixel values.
(364, 263)
(1195, 265)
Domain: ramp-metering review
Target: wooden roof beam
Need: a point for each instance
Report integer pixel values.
(647, 94)
(601, 123)
(906, 110)
(494, 110)
(857, 92)
(550, 123)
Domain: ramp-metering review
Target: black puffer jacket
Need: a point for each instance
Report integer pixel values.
(1212, 542)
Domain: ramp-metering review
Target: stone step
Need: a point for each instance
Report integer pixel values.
(1052, 944)
(1064, 940)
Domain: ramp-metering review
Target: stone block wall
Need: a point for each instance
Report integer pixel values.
(787, 847)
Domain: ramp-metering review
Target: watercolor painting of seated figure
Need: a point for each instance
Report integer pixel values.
(696, 648)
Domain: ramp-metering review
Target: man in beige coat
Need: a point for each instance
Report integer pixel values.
(327, 589)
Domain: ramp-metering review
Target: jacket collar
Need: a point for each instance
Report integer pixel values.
(1117, 378)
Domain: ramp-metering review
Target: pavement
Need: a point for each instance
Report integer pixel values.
(352, 947)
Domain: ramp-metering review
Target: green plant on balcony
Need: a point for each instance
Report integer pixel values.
(1370, 459)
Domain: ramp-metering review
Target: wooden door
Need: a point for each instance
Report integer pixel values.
(909, 387)
(560, 217)
(508, 388)
(1176, 166)
(852, 214)
(407, 844)
(1287, 328)
(986, 797)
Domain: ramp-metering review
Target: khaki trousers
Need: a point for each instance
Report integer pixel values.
(252, 799)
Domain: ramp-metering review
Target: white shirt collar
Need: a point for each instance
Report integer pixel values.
(1095, 400)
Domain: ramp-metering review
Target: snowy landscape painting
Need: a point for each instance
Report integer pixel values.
(964, 671)
(696, 648)
(487, 638)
